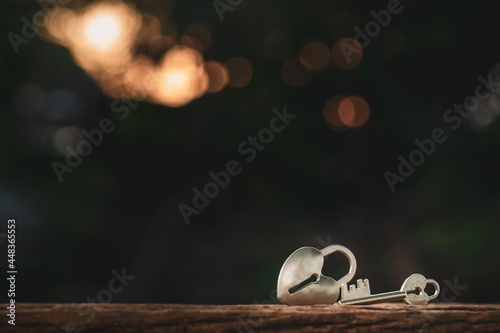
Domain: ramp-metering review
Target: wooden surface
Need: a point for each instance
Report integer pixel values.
(392, 317)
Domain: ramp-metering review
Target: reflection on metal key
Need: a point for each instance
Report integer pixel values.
(412, 292)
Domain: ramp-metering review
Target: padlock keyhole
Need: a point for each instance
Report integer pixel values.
(313, 278)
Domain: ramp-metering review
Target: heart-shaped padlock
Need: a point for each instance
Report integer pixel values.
(301, 282)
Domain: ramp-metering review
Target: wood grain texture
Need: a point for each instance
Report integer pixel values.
(124, 318)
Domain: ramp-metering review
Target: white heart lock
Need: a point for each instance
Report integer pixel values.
(301, 282)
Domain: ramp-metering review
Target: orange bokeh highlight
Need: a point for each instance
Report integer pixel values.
(201, 34)
(141, 79)
(330, 112)
(347, 53)
(181, 77)
(346, 111)
(315, 56)
(100, 37)
(102, 31)
(343, 112)
(354, 111)
(240, 72)
(218, 76)
(103, 38)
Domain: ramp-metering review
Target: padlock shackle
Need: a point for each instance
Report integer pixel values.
(350, 256)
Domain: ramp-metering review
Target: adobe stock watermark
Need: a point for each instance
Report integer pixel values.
(28, 29)
(94, 137)
(450, 292)
(372, 29)
(222, 6)
(253, 321)
(454, 118)
(249, 149)
(115, 286)
(322, 243)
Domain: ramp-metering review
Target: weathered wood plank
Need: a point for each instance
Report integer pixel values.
(392, 317)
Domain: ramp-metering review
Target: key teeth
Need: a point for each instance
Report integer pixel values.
(366, 284)
(360, 284)
(353, 291)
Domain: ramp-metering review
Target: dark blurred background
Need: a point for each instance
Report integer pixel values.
(314, 184)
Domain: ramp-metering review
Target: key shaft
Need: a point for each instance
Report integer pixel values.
(377, 298)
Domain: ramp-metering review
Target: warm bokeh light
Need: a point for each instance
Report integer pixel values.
(218, 76)
(176, 80)
(347, 53)
(156, 36)
(315, 56)
(100, 37)
(354, 111)
(102, 31)
(330, 112)
(240, 72)
(116, 45)
(346, 111)
(201, 34)
(191, 42)
(294, 74)
(58, 24)
(343, 112)
(141, 79)
(181, 77)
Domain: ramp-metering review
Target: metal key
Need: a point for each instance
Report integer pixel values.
(412, 292)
